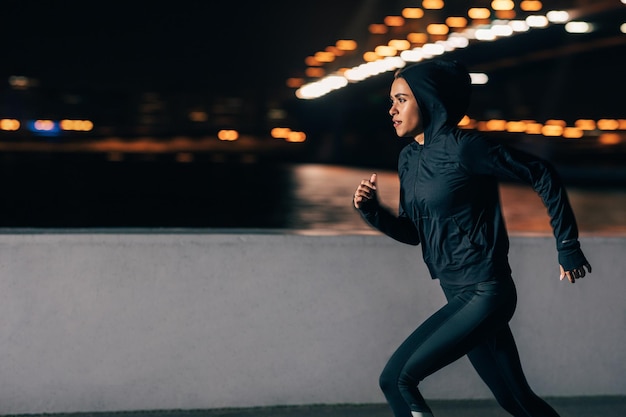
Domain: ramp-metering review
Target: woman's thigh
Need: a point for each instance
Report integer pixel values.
(470, 316)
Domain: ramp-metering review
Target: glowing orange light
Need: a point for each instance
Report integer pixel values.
(385, 51)
(534, 128)
(399, 44)
(456, 22)
(505, 14)
(496, 125)
(314, 72)
(502, 5)
(370, 56)
(437, 29)
(9, 124)
(552, 130)
(608, 124)
(610, 139)
(228, 135)
(432, 4)
(465, 121)
(377, 29)
(311, 61)
(296, 137)
(346, 45)
(585, 124)
(516, 126)
(76, 125)
(412, 13)
(394, 21)
(572, 133)
(622, 124)
(531, 5)
(325, 56)
(417, 38)
(479, 13)
(294, 82)
(280, 132)
(556, 122)
(335, 51)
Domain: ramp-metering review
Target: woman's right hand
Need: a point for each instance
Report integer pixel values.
(366, 193)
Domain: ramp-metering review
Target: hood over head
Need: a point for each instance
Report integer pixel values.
(442, 89)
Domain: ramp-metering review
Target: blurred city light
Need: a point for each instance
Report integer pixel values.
(572, 133)
(578, 27)
(585, 124)
(378, 29)
(296, 137)
(608, 124)
(516, 126)
(288, 135)
(412, 13)
(346, 44)
(432, 4)
(552, 130)
(437, 29)
(76, 125)
(43, 127)
(610, 139)
(9, 124)
(228, 135)
(531, 5)
(502, 5)
(479, 78)
(479, 13)
(537, 21)
(394, 21)
(557, 16)
(400, 44)
(438, 39)
(456, 22)
(19, 82)
(384, 50)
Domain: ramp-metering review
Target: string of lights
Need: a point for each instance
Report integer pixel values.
(415, 35)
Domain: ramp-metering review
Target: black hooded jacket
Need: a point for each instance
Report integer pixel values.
(449, 199)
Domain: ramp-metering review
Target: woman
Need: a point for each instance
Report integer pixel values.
(449, 203)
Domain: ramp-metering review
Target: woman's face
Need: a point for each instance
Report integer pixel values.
(405, 112)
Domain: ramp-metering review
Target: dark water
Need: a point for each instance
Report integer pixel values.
(147, 191)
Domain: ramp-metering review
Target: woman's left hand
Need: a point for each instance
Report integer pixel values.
(575, 273)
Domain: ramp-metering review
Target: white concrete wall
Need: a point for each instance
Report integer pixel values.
(123, 321)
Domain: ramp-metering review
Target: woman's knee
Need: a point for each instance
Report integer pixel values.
(388, 380)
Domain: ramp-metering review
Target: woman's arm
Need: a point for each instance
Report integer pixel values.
(366, 202)
(511, 164)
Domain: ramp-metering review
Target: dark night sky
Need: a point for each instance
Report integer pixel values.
(233, 47)
(181, 44)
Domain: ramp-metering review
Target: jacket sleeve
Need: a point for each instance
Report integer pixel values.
(400, 228)
(488, 158)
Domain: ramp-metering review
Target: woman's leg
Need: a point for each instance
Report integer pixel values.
(497, 362)
(469, 317)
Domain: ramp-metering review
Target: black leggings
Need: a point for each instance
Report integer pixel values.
(473, 323)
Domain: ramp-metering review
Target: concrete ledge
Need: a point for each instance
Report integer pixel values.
(172, 320)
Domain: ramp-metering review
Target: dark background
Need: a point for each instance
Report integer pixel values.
(136, 69)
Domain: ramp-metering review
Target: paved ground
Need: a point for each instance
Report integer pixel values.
(567, 407)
